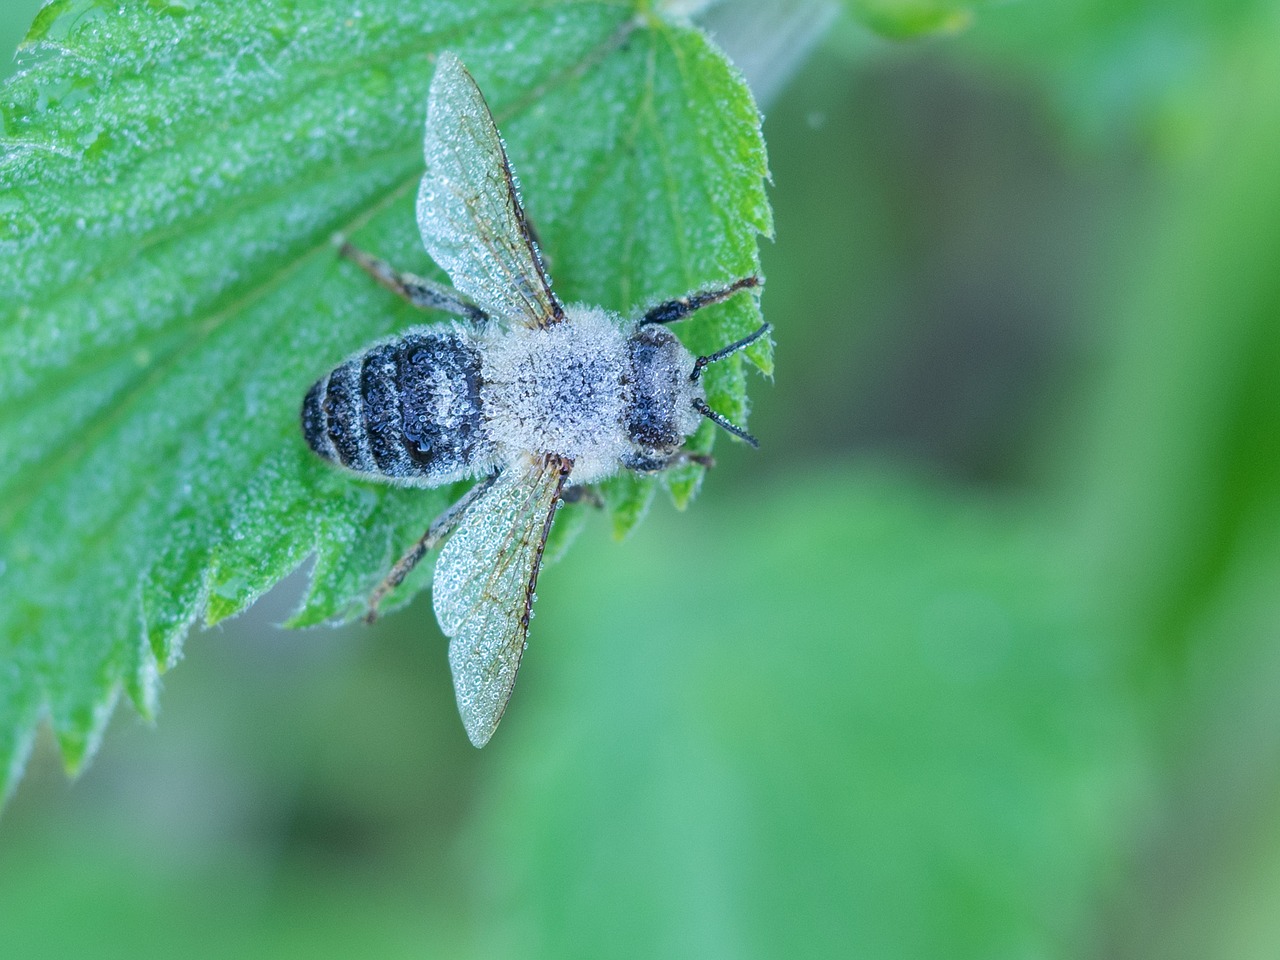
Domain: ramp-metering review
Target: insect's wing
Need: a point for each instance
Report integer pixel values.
(483, 591)
(469, 208)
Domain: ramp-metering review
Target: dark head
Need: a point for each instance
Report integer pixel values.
(660, 413)
(667, 400)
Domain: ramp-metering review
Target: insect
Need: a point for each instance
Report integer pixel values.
(525, 394)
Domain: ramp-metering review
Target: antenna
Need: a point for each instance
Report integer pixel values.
(702, 362)
(728, 351)
(701, 406)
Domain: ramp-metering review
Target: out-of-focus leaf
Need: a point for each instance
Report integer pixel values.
(1183, 466)
(909, 19)
(1117, 68)
(171, 177)
(1181, 484)
(903, 740)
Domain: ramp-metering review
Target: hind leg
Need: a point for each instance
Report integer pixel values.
(440, 528)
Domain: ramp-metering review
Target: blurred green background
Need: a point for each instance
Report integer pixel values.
(977, 657)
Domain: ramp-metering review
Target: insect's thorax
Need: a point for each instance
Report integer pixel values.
(587, 389)
(559, 390)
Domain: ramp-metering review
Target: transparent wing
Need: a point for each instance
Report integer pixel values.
(469, 208)
(484, 582)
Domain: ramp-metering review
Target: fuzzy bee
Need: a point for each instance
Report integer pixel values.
(524, 393)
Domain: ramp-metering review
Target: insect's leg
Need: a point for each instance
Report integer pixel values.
(642, 464)
(583, 494)
(417, 290)
(440, 528)
(701, 459)
(681, 307)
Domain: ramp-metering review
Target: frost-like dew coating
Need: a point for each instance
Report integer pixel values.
(469, 210)
(562, 390)
(525, 392)
(483, 591)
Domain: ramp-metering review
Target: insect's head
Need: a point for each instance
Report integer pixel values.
(667, 398)
(701, 363)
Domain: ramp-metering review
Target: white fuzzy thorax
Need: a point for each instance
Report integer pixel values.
(559, 390)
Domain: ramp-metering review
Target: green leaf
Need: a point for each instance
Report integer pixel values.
(170, 179)
(909, 19)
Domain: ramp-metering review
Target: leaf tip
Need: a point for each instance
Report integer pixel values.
(44, 21)
(79, 733)
(142, 684)
(628, 503)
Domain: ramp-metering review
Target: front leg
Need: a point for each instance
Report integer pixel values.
(641, 463)
(672, 310)
(582, 494)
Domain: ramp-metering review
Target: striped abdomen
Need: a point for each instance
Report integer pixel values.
(408, 408)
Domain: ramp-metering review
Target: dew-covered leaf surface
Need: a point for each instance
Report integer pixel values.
(170, 179)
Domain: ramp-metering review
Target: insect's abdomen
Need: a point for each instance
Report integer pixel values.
(408, 409)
